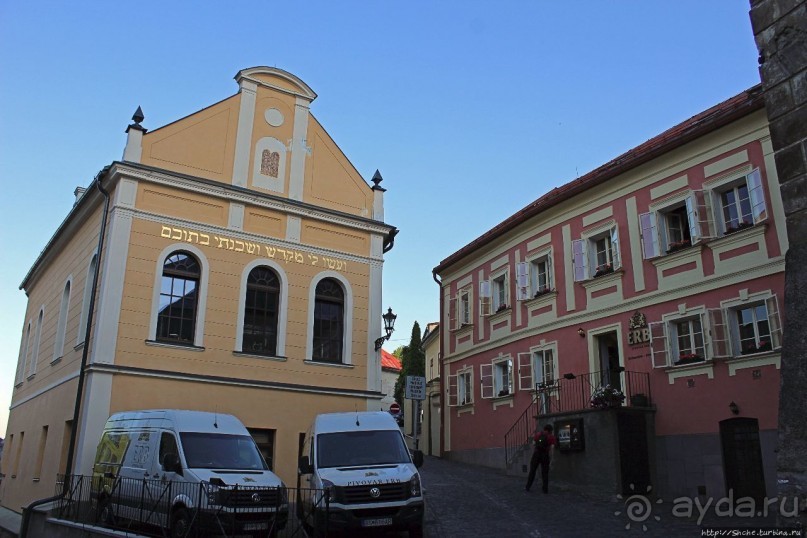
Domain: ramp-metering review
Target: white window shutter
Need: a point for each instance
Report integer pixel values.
(616, 259)
(774, 322)
(454, 313)
(757, 196)
(510, 374)
(484, 298)
(452, 391)
(550, 281)
(525, 371)
(720, 340)
(699, 215)
(579, 260)
(649, 229)
(658, 344)
(522, 281)
(486, 380)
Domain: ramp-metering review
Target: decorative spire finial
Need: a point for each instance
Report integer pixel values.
(138, 116)
(377, 179)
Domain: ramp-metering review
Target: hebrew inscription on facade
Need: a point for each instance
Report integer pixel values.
(256, 249)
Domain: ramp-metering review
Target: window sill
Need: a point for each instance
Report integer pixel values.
(500, 315)
(30, 377)
(18, 385)
(541, 299)
(56, 361)
(463, 328)
(740, 236)
(754, 360)
(257, 356)
(675, 258)
(603, 280)
(705, 367)
(78, 346)
(499, 401)
(465, 408)
(323, 363)
(35, 479)
(188, 347)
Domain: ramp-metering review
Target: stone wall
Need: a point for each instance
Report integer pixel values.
(780, 29)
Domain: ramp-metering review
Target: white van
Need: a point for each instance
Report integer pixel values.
(356, 472)
(181, 470)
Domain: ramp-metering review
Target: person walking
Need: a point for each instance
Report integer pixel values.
(544, 442)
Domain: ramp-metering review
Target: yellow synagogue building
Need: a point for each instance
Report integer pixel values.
(236, 256)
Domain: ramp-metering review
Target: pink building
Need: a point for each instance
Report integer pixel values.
(657, 277)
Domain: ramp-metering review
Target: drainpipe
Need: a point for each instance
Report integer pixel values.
(443, 378)
(28, 510)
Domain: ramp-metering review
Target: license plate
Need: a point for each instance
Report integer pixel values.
(256, 526)
(378, 522)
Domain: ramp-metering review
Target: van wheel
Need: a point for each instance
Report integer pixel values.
(180, 523)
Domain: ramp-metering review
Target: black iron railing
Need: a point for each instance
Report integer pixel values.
(167, 508)
(576, 392)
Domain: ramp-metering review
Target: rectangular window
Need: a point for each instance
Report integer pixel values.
(755, 327)
(596, 255)
(741, 204)
(494, 294)
(496, 378)
(679, 341)
(676, 226)
(534, 277)
(500, 295)
(68, 432)
(15, 469)
(265, 439)
(460, 388)
(40, 453)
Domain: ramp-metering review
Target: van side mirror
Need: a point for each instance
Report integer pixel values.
(417, 458)
(304, 467)
(171, 463)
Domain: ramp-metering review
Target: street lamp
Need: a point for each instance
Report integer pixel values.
(389, 326)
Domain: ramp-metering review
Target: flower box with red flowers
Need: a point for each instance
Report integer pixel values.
(688, 358)
(730, 229)
(678, 245)
(751, 347)
(603, 269)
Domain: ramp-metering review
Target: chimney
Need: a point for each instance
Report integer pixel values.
(79, 192)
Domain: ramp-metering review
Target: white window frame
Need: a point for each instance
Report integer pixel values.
(37, 341)
(584, 252)
(462, 306)
(664, 337)
(61, 327)
(23, 360)
(528, 273)
(85, 301)
(460, 389)
(494, 293)
(654, 225)
(756, 196)
(530, 375)
(491, 381)
(730, 309)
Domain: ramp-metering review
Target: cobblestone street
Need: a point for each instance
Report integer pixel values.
(465, 500)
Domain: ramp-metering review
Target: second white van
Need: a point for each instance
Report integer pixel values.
(356, 472)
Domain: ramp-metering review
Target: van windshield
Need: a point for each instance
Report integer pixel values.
(221, 451)
(353, 449)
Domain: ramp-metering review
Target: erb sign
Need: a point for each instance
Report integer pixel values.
(415, 387)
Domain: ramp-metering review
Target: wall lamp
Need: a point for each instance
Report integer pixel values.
(735, 410)
(389, 326)
(581, 332)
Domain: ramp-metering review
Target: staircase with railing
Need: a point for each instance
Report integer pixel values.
(573, 392)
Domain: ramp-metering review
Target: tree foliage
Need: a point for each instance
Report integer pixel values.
(413, 362)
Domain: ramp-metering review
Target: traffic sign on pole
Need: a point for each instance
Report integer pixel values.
(394, 408)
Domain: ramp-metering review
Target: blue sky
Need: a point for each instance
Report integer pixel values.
(469, 109)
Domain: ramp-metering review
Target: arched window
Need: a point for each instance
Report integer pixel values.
(261, 312)
(329, 317)
(26, 341)
(179, 291)
(61, 328)
(85, 301)
(37, 341)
